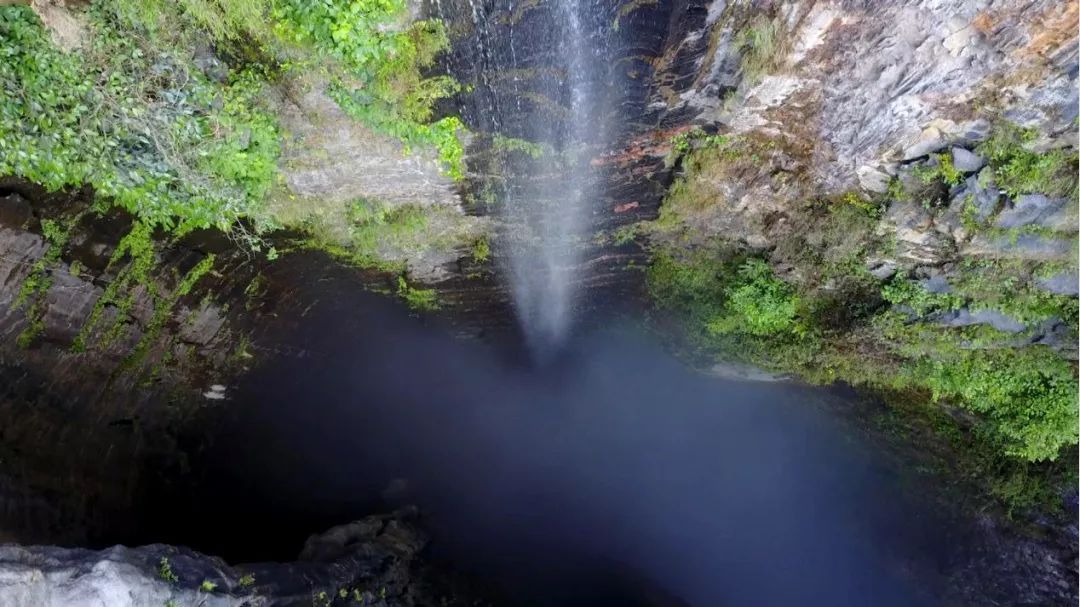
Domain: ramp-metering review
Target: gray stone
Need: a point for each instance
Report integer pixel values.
(883, 270)
(1062, 283)
(1035, 247)
(1037, 210)
(965, 317)
(1059, 336)
(208, 62)
(974, 132)
(929, 141)
(916, 239)
(965, 161)
(872, 179)
(376, 556)
(937, 284)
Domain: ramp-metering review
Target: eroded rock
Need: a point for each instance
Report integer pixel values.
(367, 562)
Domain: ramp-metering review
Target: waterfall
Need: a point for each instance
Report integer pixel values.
(545, 205)
(551, 214)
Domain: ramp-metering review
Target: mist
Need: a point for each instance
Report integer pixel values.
(614, 475)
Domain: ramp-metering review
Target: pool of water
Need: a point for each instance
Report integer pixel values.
(611, 475)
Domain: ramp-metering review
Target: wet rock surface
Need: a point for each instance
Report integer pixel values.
(374, 561)
(128, 408)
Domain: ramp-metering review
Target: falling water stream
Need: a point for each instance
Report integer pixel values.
(546, 208)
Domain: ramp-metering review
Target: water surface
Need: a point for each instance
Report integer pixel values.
(613, 475)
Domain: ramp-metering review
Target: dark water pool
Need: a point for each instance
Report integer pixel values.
(612, 476)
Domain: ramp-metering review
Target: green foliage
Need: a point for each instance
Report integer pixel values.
(694, 139)
(165, 571)
(163, 307)
(247, 580)
(375, 226)
(1019, 170)
(626, 234)
(1025, 397)
(1009, 287)
(37, 284)
(901, 291)
(942, 170)
(421, 300)
(481, 250)
(381, 83)
(856, 200)
(208, 586)
(224, 20)
(1028, 395)
(137, 247)
(137, 122)
(756, 303)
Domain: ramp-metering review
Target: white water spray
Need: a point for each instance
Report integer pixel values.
(549, 217)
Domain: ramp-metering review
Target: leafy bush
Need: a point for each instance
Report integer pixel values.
(1019, 170)
(137, 123)
(1025, 397)
(1028, 395)
(757, 303)
(381, 83)
(943, 170)
(901, 291)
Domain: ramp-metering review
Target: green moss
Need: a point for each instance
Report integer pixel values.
(35, 287)
(506, 145)
(761, 45)
(133, 260)
(481, 250)
(421, 300)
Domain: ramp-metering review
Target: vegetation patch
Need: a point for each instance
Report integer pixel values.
(1020, 170)
(421, 300)
(1007, 410)
(136, 117)
(377, 67)
(762, 47)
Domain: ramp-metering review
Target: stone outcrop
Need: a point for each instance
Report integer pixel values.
(374, 561)
(865, 85)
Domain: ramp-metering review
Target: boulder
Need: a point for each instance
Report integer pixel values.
(966, 161)
(965, 317)
(1037, 210)
(1062, 283)
(372, 561)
